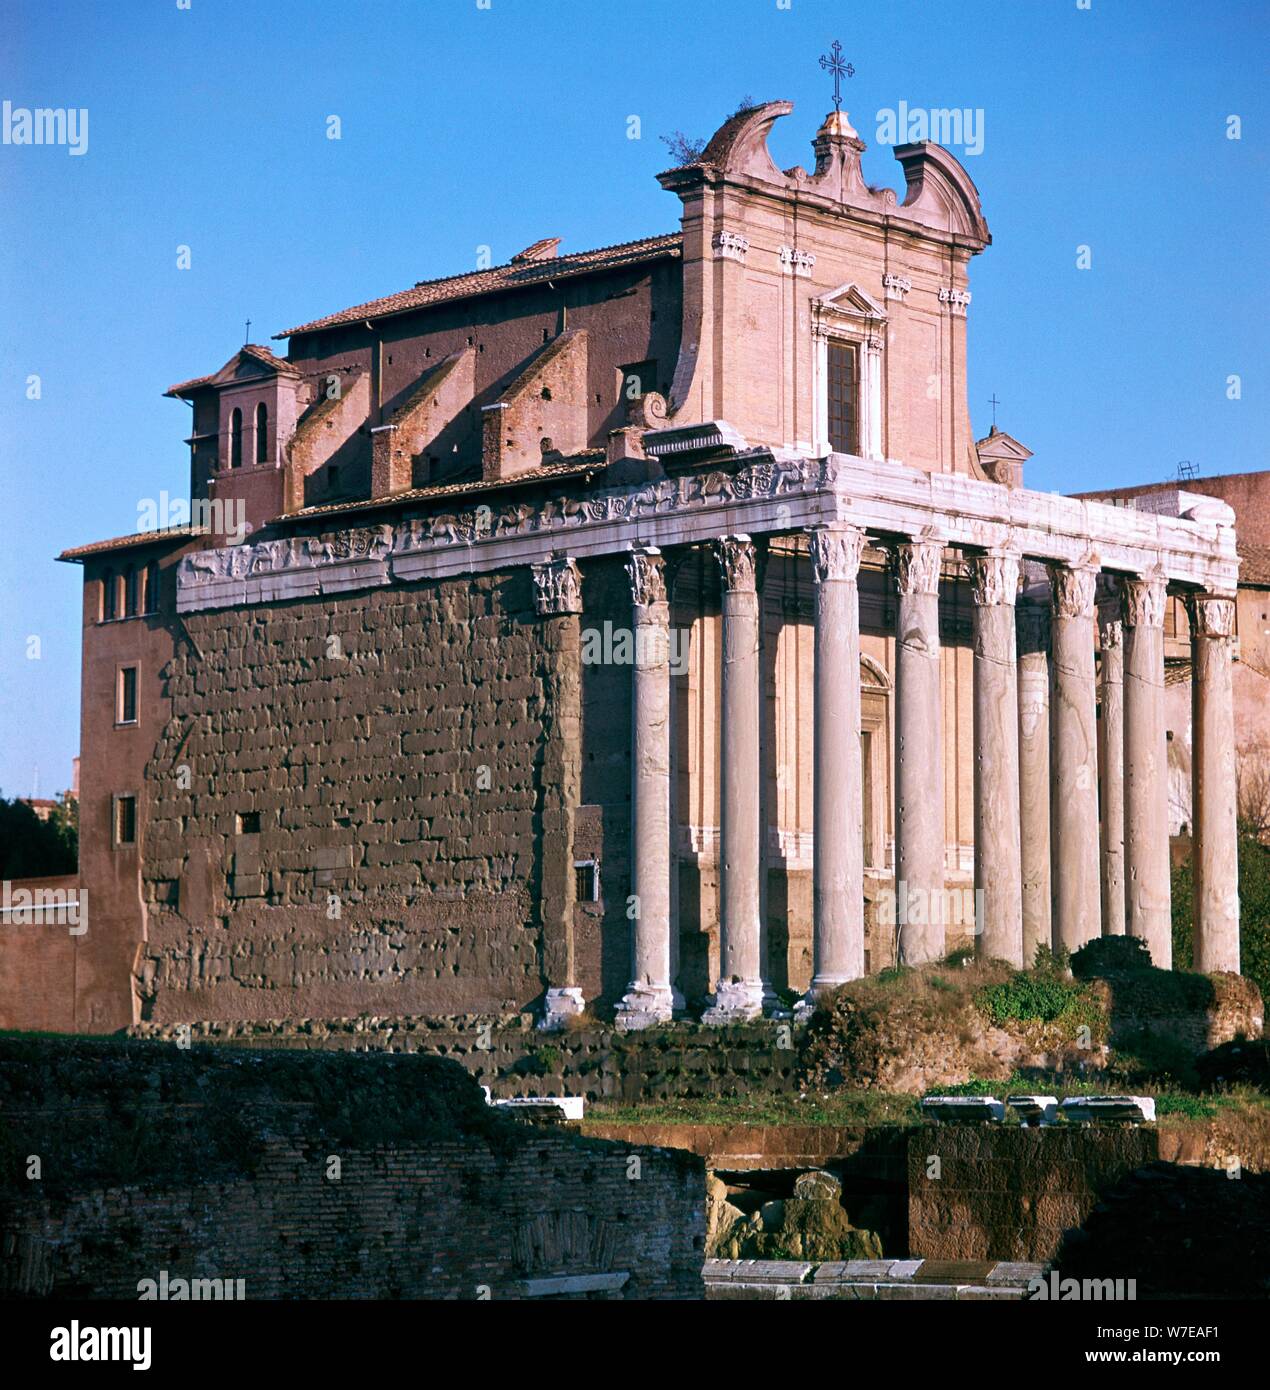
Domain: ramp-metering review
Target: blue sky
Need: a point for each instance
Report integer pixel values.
(464, 126)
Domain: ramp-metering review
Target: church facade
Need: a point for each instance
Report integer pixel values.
(637, 630)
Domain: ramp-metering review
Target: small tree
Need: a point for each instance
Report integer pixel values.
(35, 848)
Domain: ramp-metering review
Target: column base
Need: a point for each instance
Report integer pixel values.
(644, 1006)
(735, 1002)
(560, 1006)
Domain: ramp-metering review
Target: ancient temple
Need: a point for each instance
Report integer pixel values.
(637, 629)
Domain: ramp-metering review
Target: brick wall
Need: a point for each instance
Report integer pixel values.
(210, 1164)
(390, 744)
(513, 1058)
(979, 1192)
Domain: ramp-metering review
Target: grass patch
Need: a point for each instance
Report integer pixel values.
(844, 1109)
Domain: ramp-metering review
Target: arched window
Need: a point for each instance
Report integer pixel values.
(109, 595)
(152, 587)
(130, 592)
(262, 433)
(236, 438)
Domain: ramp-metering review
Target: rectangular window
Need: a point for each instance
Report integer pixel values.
(127, 710)
(843, 387)
(152, 588)
(586, 876)
(125, 820)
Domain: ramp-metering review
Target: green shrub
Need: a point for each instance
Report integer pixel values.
(1025, 998)
(1108, 955)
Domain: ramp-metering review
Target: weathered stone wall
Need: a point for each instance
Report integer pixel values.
(211, 1165)
(391, 745)
(512, 1058)
(990, 1192)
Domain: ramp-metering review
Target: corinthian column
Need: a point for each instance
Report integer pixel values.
(838, 871)
(739, 991)
(1111, 767)
(649, 998)
(1033, 624)
(994, 582)
(1216, 902)
(1146, 770)
(1074, 759)
(919, 754)
(558, 601)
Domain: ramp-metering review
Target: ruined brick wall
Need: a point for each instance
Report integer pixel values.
(513, 1058)
(232, 1178)
(345, 807)
(979, 1192)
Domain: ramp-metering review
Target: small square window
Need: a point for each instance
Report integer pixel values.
(248, 822)
(125, 820)
(586, 881)
(126, 709)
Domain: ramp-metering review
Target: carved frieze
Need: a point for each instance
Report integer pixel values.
(557, 587)
(994, 578)
(896, 286)
(836, 551)
(1144, 600)
(916, 566)
(646, 571)
(294, 552)
(1073, 589)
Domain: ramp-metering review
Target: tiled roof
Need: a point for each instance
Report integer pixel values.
(1255, 563)
(575, 466)
(502, 277)
(172, 533)
(264, 355)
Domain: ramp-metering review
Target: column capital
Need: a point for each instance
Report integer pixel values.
(557, 587)
(1073, 589)
(1144, 599)
(737, 559)
(1109, 610)
(1032, 624)
(1211, 615)
(994, 577)
(1110, 630)
(645, 568)
(916, 565)
(836, 551)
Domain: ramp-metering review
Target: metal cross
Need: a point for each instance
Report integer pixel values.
(993, 402)
(832, 62)
(247, 334)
